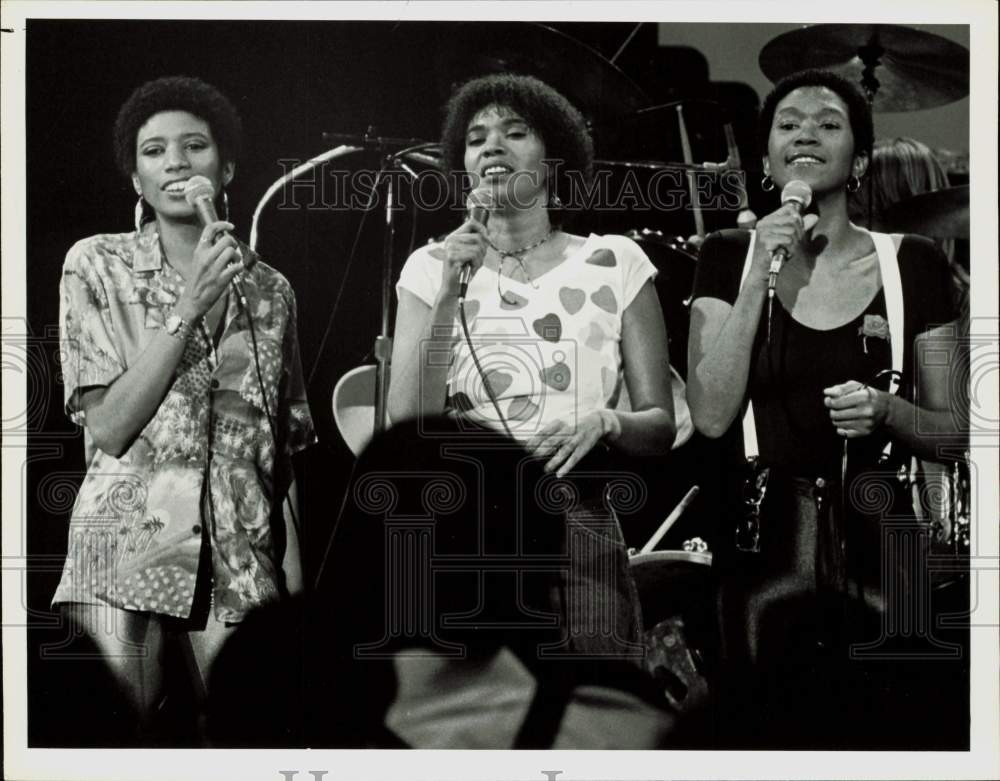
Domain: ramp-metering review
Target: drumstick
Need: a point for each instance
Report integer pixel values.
(671, 519)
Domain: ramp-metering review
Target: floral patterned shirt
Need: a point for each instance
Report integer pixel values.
(205, 475)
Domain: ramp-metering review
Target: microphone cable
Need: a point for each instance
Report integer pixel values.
(242, 306)
(366, 210)
(479, 367)
(347, 272)
(858, 578)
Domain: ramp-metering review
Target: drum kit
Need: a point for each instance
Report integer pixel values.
(899, 68)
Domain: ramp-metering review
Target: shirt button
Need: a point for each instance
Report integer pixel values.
(215, 384)
(196, 529)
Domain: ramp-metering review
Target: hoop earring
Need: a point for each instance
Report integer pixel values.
(853, 184)
(767, 183)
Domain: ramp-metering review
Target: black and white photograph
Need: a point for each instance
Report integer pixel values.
(610, 389)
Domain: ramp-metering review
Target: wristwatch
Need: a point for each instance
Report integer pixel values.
(178, 327)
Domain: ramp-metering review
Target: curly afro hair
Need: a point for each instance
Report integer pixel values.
(858, 111)
(557, 122)
(176, 93)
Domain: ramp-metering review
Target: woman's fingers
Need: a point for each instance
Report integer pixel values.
(550, 444)
(215, 231)
(230, 273)
(861, 412)
(570, 454)
(546, 438)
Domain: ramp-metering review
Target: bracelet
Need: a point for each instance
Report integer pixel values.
(178, 327)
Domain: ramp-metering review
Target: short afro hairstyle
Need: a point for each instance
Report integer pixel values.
(858, 111)
(557, 122)
(177, 93)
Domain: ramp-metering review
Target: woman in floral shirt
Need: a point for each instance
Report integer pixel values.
(180, 360)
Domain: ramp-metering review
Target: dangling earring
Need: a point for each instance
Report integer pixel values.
(225, 206)
(853, 184)
(555, 202)
(767, 183)
(140, 213)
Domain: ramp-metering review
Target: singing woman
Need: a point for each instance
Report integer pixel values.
(180, 360)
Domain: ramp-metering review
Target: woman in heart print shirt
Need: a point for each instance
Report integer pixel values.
(562, 325)
(559, 321)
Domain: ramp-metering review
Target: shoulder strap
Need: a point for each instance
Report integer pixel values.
(750, 447)
(892, 286)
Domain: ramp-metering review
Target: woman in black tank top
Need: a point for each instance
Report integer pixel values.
(799, 613)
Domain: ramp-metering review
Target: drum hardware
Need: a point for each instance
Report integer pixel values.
(699, 219)
(695, 545)
(382, 349)
(960, 506)
(661, 165)
(754, 491)
(674, 285)
(900, 68)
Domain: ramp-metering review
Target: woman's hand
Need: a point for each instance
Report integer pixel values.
(215, 265)
(856, 410)
(565, 446)
(782, 228)
(464, 246)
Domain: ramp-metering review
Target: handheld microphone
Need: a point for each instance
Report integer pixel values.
(478, 206)
(798, 193)
(200, 195)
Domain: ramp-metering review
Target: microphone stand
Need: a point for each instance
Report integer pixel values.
(339, 151)
(382, 350)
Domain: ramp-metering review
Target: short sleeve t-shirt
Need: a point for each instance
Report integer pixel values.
(550, 348)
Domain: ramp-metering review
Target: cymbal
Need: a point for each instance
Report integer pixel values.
(938, 214)
(589, 81)
(915, 69)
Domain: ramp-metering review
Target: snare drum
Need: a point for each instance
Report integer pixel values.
(677, 596)
(674, 283)
(672, 582)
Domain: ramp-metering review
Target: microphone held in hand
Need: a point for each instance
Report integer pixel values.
(799, 194)
(200, 195)
(478, 206)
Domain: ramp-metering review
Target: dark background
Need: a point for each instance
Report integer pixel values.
(291, 81)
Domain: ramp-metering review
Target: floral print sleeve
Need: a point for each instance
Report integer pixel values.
(295, 421)
(88, 351)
